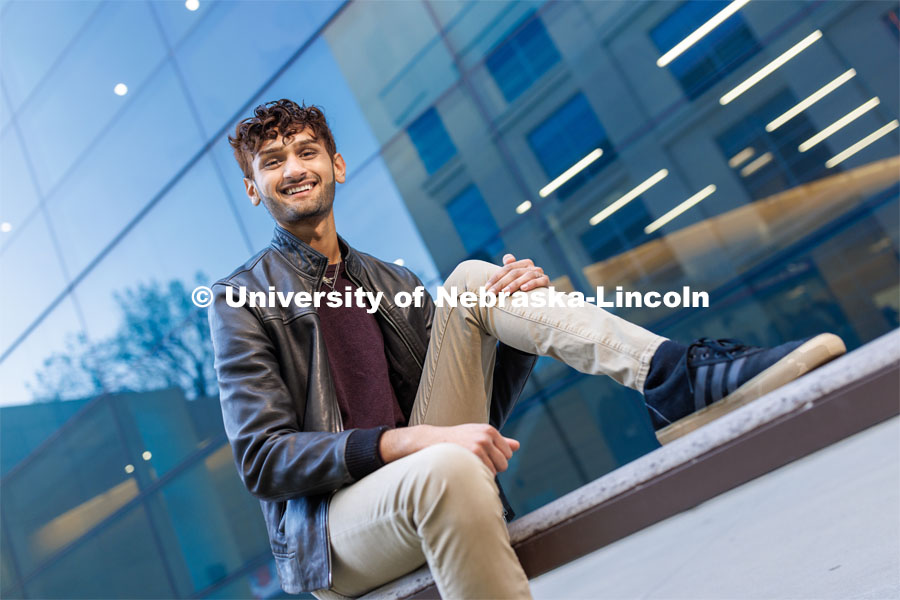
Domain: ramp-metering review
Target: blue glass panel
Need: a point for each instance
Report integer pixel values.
(18, 197)
(191, 229)
(177, 21)
(121, 561)
(33, 36)
(523, 58)
(712, 58)
(472, 218)
(5, 108)
(210, 525)
(19, 369)
(31, 277)
(132, 162)
(567, 136)
(228, 58)
(431, 140)
(62, 123)
(68, 487)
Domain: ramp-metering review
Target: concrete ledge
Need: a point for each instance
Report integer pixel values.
(843, 397)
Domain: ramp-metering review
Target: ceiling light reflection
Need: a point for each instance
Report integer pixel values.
(571, 172)
(696, 198)
(875, 135)
(121, 89)
(628, 197)
(840, 123)
(771, 67)
(699, 33)
(811, 99)
(757, 164)
(745, 154)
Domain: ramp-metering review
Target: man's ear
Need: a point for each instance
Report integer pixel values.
(340, 168)
(251, 191)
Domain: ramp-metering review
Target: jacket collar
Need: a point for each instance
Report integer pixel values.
(307, 259)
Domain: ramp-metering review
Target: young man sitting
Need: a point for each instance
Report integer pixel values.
(369, 433)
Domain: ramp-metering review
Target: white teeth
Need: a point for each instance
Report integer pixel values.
(302, 188)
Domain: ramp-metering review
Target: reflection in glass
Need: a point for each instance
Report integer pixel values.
(522, 58)
(67, 488)
(119, 561)
(152, 140)
(26, 58)
(31, 272)
(210, 524)
(116, 46)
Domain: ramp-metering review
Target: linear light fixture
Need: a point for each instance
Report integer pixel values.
(757, 164)
(571, 172)
(524, 207)
(840, 123)
(680, 208)
(811, 99)
(771, 67)
(629, 196)
(875, 135)
(744, 155)
(701, 32)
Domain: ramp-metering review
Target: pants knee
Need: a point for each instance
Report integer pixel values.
(453, 476)
(470, 275)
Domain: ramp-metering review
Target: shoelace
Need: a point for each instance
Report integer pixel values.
(724, 346)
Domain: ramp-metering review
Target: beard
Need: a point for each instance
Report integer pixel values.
(311, 209)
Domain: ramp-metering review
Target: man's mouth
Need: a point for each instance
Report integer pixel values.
(296, 190)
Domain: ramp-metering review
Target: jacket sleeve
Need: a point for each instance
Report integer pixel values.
(274, 458)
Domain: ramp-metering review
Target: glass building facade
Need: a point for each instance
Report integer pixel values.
(119, 194)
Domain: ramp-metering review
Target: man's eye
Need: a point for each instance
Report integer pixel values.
(270, 163)
(308, 153)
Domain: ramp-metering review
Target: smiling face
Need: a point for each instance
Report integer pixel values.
(294, 177)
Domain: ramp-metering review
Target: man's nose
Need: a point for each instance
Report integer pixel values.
(293, 168)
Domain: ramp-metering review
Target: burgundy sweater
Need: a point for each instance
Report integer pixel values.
(359, 370)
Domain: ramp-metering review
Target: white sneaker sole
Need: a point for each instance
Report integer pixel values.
(808, 356)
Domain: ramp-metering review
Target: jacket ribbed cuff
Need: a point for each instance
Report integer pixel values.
(362, 454)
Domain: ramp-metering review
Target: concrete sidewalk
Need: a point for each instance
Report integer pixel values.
(826, 526)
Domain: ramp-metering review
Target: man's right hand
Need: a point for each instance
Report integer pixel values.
(482, 439)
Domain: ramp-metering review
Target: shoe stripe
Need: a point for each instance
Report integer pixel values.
(718, 378)
(700, 388)
(733, 373)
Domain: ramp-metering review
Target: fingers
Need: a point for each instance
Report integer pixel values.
(524, 279)
(493, 449)
(527, 281)
(499, 461)
(509, 273)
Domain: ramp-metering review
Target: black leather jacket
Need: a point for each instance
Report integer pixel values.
(278, 401)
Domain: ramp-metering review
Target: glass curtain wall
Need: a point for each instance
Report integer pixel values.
(119, 194)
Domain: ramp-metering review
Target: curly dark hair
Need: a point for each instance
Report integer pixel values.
(273, 119)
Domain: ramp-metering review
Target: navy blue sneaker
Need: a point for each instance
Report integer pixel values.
(725, 374)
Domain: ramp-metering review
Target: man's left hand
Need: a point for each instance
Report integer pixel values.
(517, 275)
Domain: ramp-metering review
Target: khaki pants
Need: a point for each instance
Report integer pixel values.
(440, 505)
